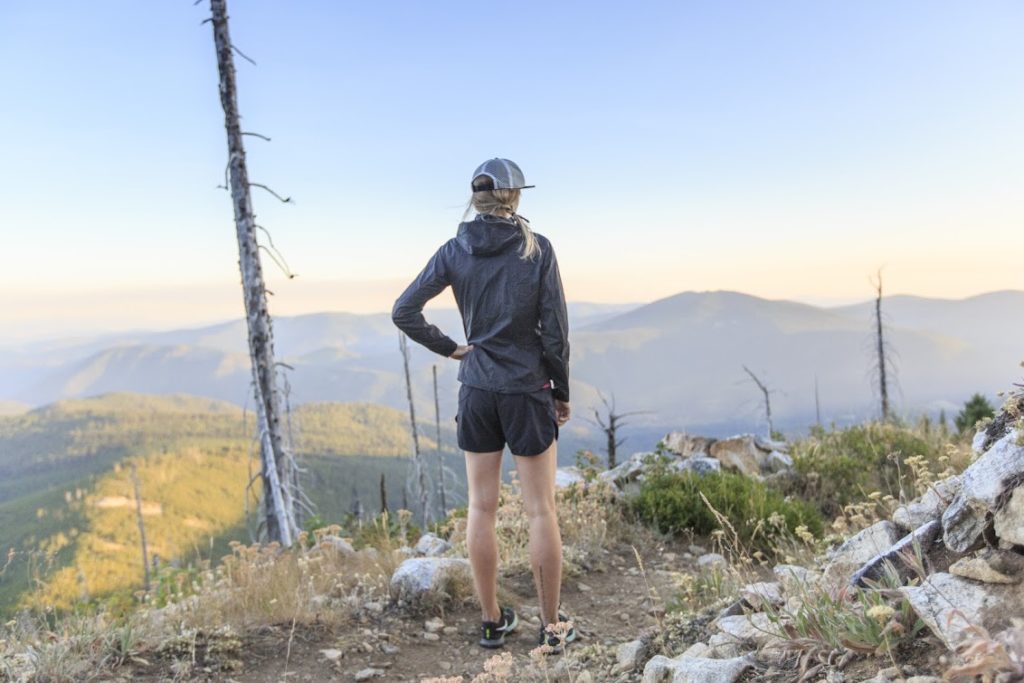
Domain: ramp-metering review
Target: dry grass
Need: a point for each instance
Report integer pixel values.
(998, 659)
(589, 515)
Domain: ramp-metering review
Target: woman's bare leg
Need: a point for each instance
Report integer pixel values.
(483, 472)
(537, 477)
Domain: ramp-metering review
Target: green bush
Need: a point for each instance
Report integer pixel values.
(671, 503)
(835, 468)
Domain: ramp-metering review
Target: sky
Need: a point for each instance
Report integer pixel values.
(785, 149)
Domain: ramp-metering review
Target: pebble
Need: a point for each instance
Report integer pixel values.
(331, 654)
(433, 625)
(367, 674)
(583, 588)
(427, 635)
(445, 666)
(389, 649)
(449, 630)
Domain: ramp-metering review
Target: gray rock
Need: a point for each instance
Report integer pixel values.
(696, 670)
(983, 484)
(367, 674)
(420, 577)
(858, 550)
(762, 594)
(431, 545)
(629, 655)
(567, 476)
(331, 654)
(754, 628)
(723, 646)
(768, 445)
(626, 471)
(778, 461)
(1009, 519)
(990, 566)
(697, 650)
(929, 506)
(921, 539)
(952, 607)
(708, 560)
(697, 464)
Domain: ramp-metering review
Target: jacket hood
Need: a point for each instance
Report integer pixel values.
(484, 236)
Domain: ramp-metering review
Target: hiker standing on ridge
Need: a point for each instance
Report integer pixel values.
(514, 377)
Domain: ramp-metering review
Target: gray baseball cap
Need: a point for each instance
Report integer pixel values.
(505, 174)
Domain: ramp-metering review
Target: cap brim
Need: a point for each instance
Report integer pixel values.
(490, 189)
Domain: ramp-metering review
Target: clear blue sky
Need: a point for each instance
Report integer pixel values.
(786, 149)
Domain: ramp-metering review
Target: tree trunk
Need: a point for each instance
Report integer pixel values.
(440, 455)
(421, 474)
(142, 527)
(277, 464)
(883, 385)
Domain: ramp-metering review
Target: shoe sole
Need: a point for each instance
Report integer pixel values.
(500, 642)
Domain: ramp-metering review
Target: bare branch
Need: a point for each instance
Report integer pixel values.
(283, 200)
(767, 399)
(279, 260)
(241, 54)
(256, 135)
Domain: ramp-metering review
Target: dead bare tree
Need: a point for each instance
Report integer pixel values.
(767, 400)
(383, 495)
(440, 454)
(881, 360)
(610, 425)
(142, 527)
(277, 464)
(420, 470)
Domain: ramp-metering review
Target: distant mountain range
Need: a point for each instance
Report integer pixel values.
(678, 359)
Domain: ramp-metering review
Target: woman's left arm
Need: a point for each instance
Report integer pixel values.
(407, 313)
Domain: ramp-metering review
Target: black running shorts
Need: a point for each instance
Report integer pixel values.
(488, 420)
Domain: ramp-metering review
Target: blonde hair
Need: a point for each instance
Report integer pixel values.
(492, 201)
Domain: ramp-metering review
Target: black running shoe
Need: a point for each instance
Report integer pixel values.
(554, 640)
(493, 632)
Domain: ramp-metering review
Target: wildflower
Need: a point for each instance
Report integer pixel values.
(881, 613)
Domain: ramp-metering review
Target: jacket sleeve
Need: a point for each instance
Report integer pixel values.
(554, 325)
(407, 313)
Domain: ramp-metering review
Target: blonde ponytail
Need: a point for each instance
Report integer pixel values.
(506, 201)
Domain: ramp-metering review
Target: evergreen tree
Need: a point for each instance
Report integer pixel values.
(976, 408)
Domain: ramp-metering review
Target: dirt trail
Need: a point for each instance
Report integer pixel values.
(609, 604)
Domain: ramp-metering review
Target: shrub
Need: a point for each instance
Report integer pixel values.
(672, 503)
(836, 468)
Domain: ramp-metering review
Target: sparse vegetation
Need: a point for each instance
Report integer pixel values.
(976, 409)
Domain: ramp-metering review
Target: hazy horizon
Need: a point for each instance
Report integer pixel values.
(221, 304)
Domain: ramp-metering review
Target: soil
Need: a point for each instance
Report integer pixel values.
(610, 604)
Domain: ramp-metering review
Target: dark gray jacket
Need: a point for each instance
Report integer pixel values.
(513, 311)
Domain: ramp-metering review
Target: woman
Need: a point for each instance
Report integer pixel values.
(514, 376)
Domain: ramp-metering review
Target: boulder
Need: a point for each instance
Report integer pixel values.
(629, 655)
(740, 454)
(1009, 519)
(929, 506)
(953, 607)
(421, 578)
(626, 471)
(337, 543)
(432, 545)
(767, 445)
(858, 550)
(696, 670)
(697, 650)
(986, 482)
(686, 445)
